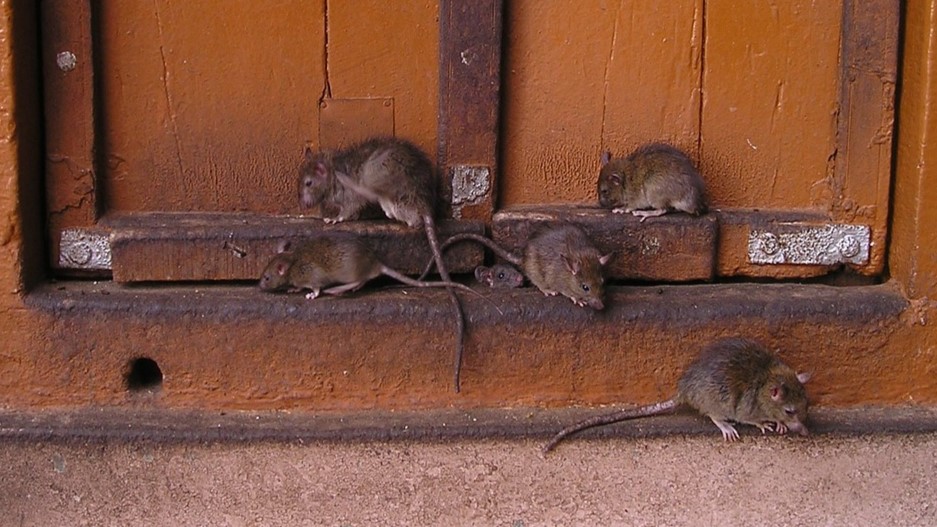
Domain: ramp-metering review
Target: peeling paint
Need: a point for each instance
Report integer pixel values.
(470, 184)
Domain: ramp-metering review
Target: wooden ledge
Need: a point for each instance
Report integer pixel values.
(173, 426)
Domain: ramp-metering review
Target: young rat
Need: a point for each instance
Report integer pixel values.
(559, 259)
(653, 180)
(498, 276)
(732, 380)
(391, 172)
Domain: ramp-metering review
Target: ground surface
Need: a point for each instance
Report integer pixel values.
(674, 480)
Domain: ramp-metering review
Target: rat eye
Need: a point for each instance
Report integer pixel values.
(501, 275)
(585, 287)
(307, 182)
(790, 411)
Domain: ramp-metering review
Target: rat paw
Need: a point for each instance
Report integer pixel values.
(312, 295)
(729, 433)
(767, 426)
(780, 428)
(621, 210)
(645, 214)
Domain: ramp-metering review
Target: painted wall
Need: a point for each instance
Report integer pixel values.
(71, 348)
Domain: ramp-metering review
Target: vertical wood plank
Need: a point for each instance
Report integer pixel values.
(206, 106)
(596, 75)
(770, 81)
(469, 98)
(376, 52)
(72, 187)
(869, 65)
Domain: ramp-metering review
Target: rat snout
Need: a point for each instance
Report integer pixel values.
(797, 426)
(596, 304)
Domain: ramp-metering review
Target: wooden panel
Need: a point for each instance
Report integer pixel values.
(344, 122)
(735, 226)
(861, 183)
(594, 76)
(674, 247)
(469, 102)
(912, 261)
(67, 66)
(207, 105)
(375, 51)
(175, 247)
(769, 111)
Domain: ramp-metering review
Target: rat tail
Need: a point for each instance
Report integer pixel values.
(623, 415)
(429, 224)
(468, 236)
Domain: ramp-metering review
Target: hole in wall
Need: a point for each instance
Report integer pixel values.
(143, 374)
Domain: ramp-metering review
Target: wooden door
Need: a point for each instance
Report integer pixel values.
(176, 128)
(787, 107)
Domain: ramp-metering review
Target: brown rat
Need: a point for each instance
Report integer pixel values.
(653, 180)
(732, 380)
(346, 263)
(558, 260)
(499, 276)
(392, 172)
(343, 261)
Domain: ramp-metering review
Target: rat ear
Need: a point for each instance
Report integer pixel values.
(606, 157)
(481, 273)
(804, 376)
(308, 154)
(284, 246)
(777, 392)
(572, 264)
(606, 258)
(282, 268)
(322, 169)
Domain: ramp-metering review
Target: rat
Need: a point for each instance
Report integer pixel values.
(347, 261)
(653, 180)
(499, 276)
(342, 261)
(558, 260)
(732, 380)
(392, 172)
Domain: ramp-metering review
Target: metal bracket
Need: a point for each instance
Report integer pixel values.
(82, 249)
(797, 243)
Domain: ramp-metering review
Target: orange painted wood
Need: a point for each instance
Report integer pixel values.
(344, 122)
(913, 236)
(381, 50)
(869, 70)
(594, 76)
(771, 76)
(206, 106)
(181, 247)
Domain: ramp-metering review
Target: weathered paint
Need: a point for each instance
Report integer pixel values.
(912, 256)
(67, 344)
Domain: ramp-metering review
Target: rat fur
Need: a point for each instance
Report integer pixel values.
(653, 180)
(732, 380)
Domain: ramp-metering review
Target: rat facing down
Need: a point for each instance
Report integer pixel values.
(653, 180)
(732, 381)
(558, 260)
